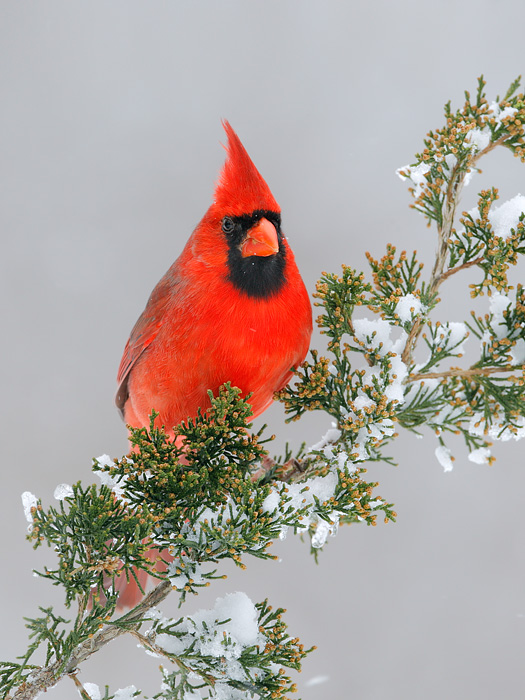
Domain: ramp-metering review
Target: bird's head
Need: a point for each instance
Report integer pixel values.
(245, 223)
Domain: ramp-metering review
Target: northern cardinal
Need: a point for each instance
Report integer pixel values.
(232, 307)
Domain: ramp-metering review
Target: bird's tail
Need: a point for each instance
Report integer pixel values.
(132, 587)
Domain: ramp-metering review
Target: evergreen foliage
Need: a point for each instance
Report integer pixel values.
(179, 504)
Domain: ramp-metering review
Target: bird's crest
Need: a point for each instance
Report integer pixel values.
(241, 189)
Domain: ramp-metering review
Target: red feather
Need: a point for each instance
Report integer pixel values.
(240, 189)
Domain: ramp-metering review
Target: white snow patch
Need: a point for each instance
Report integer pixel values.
(29, 500)
(271, 502)
(507, 216)
(469, 175)
(496, 431)
(415, 173)
(480, 456)
(451, 336)
(224, 691)
(398, 372)
(375, 334)
(324, 529)
(105, 461)
(116, 485)
(517, 353)
(192, 695)
(361, 402)
(92, 690)
(498, 304)
(501, 114)
(332, 435)
(408, 307)
(342, 459)
(451, 160)
(304, 495)
(443, 456)
(458, 335)
(126, 693)
(322, 487)
(243, 616)
(203, 629)
(429, 384)
(399, 344)
(478, 139)
(63, 491)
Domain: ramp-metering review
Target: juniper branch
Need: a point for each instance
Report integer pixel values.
(45, 678)
(452, 271)
(464, 373)
(444, 230)
(210, 500)
(437, 276)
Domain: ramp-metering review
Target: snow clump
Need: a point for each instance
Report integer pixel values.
(501, 114)
(94, 693)
(113, 483)
(408, 307)
(63, 491)
(480, 456)
(320, 488)
(498, 430)
(499, 303)
(223, 632)
(416, 174)
(29, 500)
(444, 457)
(507, 216)
(450, 336)
(477, 139)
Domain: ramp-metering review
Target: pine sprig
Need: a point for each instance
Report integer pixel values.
(207, 652)
(194, 504)
(476, 244)
(94, 535)
(396, 279)
(446, 399)
(451, 152)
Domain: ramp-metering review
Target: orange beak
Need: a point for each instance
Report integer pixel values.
(261, 240)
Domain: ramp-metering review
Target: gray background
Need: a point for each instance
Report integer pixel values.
(109, 148)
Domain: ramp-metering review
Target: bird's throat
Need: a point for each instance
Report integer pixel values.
(259, 277)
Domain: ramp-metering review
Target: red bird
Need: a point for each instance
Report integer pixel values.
(232, 307)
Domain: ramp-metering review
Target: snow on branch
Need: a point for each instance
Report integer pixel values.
(177, 506)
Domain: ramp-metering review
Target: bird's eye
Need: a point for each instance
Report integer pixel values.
(227, 224)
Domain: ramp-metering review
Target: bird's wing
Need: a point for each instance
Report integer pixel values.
(143, 334)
